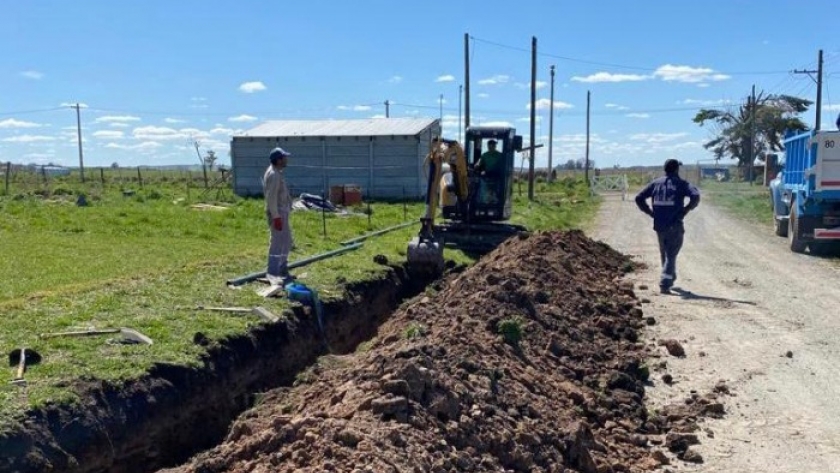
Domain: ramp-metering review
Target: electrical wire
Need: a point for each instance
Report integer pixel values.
(609, 64)
(40, 110)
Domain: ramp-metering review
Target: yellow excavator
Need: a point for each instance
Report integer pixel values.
(473, 187)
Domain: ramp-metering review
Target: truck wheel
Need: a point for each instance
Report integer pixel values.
(780, 227)
(794, 234)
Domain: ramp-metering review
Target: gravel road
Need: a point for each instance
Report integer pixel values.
(751, 313)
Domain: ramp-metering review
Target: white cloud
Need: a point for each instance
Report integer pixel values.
(545, 104)
(158, 133)
(35, 75)
(73, 104)
(144, 146)
(242, 118)
(609, 77)
(616, 106)
(118, 125)
(356, 108)
(528, 119)
(483, 95)
(657, 137)
(688, 74)
(830, 107)
(174, 120)
(219, 130)
(28, 138)
(445, 78)
(395, 79)
(12, 123)
(198, 102)
(638, 115)
(540, 84)
(498, 123)
(251, 87)
(495, 80)
(119, 118)
(705, 103)
(703, 85)
(108, 134)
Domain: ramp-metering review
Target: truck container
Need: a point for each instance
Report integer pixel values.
(806, 193)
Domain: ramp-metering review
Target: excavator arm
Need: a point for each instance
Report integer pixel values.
(426, 251)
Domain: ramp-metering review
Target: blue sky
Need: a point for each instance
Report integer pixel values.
(155, 76)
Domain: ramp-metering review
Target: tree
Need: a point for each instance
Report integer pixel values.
(115, 165)
(210, 159)
(773, 115)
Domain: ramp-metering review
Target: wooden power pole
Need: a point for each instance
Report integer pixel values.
(586, 163)
(532, 152)
(819, 81)
(79, 136)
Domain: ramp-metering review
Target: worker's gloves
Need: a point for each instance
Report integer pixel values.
(277, 223)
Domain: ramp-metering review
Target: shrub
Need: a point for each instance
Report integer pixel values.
(512, 330)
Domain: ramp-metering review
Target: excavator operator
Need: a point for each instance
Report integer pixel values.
(492, 162)
(491, 167)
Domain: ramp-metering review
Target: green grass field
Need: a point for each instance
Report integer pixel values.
(745, 201)
(146, 260)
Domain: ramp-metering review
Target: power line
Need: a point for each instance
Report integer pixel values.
(609, 64)
(40, 110)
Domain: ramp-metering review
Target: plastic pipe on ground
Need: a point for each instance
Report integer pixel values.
(297, 264)
(376, 233)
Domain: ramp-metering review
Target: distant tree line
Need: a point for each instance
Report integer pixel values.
(575, 165)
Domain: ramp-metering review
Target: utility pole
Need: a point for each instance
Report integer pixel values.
(79, 135)
(387, 109)
(819, 82)
(551, 128)
(586, 163)
(466, 80)
(203, 163)
(532, 153)
(751, 156)
(460, 94)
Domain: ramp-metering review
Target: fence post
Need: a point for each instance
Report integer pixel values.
(405, 206)
(139, 177)
(8, 173)
(324, 219)
(369, 212)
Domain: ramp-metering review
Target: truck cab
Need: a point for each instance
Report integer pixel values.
(806, 194)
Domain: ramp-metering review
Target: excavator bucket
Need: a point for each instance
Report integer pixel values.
(425, 255)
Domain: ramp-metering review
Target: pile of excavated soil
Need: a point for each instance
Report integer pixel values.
(526, 361)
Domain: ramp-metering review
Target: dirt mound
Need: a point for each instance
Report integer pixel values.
(527, 361)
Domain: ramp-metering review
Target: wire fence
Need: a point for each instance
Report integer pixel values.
(323, 212)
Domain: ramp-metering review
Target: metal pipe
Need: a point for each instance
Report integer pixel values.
(297, 264)
(376, 233)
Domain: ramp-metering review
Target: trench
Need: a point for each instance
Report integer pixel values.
(174, 412)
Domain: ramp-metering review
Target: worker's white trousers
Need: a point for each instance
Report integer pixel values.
(279, 246)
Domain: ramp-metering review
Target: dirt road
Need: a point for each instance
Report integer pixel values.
(763, 319)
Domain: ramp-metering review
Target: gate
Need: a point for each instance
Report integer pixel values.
(613, 184)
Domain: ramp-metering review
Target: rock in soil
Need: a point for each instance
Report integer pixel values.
(528, 363)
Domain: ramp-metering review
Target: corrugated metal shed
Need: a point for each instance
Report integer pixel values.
(384, 157)
(365, 127)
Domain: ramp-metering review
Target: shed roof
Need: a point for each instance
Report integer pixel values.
(361, 127)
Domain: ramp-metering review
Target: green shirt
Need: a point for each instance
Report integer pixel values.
(493, 161)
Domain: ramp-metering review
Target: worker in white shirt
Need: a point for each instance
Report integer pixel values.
(278, 204)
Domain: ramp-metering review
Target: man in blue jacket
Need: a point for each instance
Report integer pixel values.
(668, 194)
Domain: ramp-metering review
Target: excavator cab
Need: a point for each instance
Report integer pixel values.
(490, 155)
(473, 186)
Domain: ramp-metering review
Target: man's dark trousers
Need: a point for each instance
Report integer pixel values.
(670, 243)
